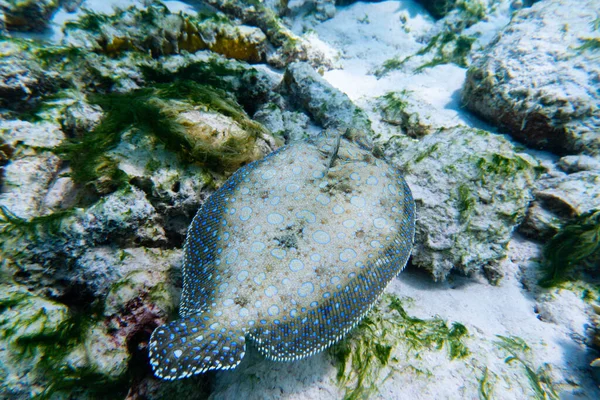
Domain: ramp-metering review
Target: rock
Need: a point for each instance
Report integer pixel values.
(328, 106)
(71, 6)
(571, 195)
(125, 217)
(28, 15)
(53, 251)
(80, 118)
(472, 190)
(220, 140)
(244, 43)
(62, 194)
(287, 47)
(540, 223)
(144, 292)
(325, 9)
(571, 164)
(156, 30)
(414, 114)
(564, 307)
(176, 191)
(559, 199)
(252, 86)
(27, 324)
(32, 168)
(438, 8)
(125, 273)
(31, 135)
(6, 152)
(288, 124)
(45, 348)
(22, 78)
(26, 181)
(3, 30)
(538, 78)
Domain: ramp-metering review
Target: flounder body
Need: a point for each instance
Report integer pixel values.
(290, 253)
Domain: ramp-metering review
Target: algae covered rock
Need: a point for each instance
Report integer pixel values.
(21, 75)
(472, 190)
(559, 199)
(29, 325)
(538, 78)
(28, 15)
(156, 30)
(32, 168)
(49, 349)
(438, 8)
(287, 47)
(414, 114)
(291, 125)
(325, 104)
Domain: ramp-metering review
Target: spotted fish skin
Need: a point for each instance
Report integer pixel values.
(289, 254)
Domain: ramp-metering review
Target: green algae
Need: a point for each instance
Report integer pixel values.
(576, 244)
(486, 387)
(230, 76)
(15, 230)
(518, 353)
(499, 165)
(447, 47)
(368, 353)
(590, 44)
(43, 334)
(153, 111)
(428, 152)
(393, 105)
(466, 203)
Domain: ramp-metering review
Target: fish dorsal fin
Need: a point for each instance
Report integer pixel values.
(193, 345)
(201, 247)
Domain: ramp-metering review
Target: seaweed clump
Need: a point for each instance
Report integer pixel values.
(41, 336)
(576, 244)
(539, 379)
(447, 47)
(161, 112)
(369, 350)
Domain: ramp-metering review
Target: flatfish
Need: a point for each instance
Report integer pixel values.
(290, 254)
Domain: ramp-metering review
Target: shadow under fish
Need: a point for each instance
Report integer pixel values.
(290, 253)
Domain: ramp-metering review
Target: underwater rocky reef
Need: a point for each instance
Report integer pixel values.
(120, 119)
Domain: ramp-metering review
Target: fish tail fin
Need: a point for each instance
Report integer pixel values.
(193, 345)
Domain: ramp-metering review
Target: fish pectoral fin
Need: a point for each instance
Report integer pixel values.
(193, 345)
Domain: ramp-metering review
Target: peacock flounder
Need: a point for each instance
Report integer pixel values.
(290, 253)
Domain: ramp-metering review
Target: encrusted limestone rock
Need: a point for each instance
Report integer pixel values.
(30, 172)
(80, 118)
(571, 164)
(142, 292)
(472, 190)
(289, 124)
(287, 47)
(156, 30)
(326, 104)
(415, 115)
(27, 324)
(559, 199)
(539, 77)
(50, 350)
(28, 15)
(21, 76)
(124, 216)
